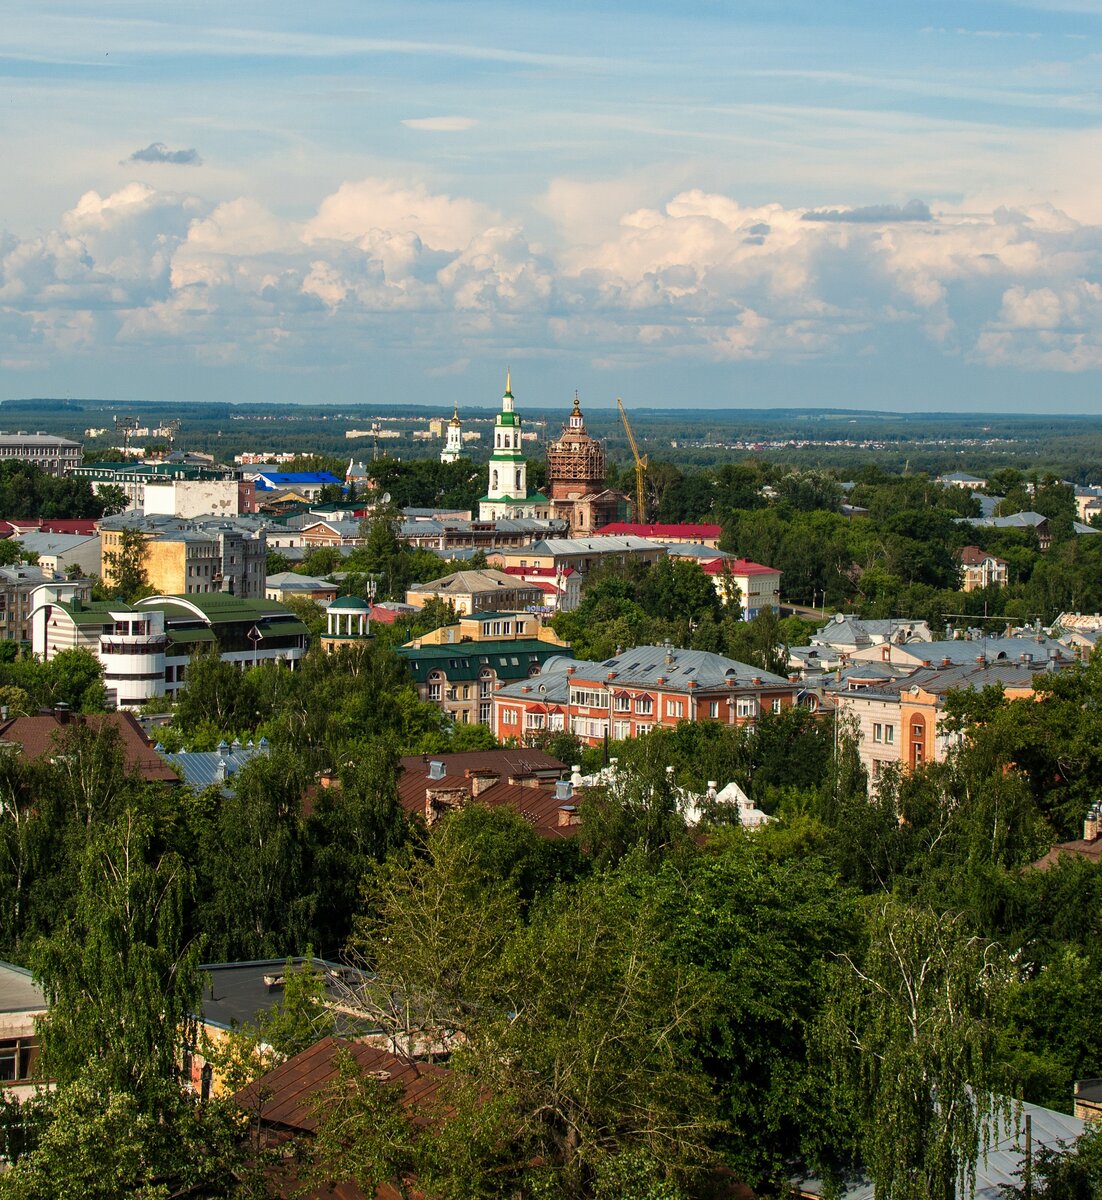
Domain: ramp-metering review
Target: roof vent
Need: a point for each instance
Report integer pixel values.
(564, 790)
(437, 769)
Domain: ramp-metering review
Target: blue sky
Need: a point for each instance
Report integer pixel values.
(751, 204)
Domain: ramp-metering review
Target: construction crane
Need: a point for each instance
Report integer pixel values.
(640, 466)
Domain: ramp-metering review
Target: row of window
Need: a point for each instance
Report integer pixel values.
(746, 708)
(883, 733)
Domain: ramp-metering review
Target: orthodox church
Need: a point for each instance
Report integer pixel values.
(507, 494)
(453, 444)
(576, 478)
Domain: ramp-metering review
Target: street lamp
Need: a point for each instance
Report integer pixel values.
(255, 636)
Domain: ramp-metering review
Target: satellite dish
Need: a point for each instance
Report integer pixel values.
(386, 497)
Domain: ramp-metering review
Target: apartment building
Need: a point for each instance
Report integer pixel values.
(637, 691)
(54, 455)
(477, 591)
(194, 557)
(23, 588)
(980, 569)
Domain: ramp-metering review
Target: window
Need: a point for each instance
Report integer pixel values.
(889, 734)
(777, 705)
(746, 706)
(484, 714)
(15, 1059)
(623, 703)
(713, 709)
(877, 732)
(621, 730)
(588, 699)
(675, 709)
(644, 706)
(534, 720)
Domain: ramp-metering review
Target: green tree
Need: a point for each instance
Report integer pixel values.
(120, 975)
(909, 1033)
(124, 571)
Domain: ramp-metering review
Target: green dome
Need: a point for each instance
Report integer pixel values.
(349, 604)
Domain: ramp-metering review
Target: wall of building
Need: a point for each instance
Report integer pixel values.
(193, 497)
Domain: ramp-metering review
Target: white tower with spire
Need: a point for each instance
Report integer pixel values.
(507, 492)
(453, 444)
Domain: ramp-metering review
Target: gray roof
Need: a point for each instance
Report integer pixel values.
(26, 573)
(962, 676)
(645, 665)
(550, 686)
(988, 504)
(455, 525)
(236, 994)
(53, 543)
(464, 582)
(960, 477)
(200, 768)
(962, 650)
(594, 545)
(42, 441)
(291, 581)
(694, 550)
(845, 630)
(18, 991)
(1002, 1163)
(1018, 520)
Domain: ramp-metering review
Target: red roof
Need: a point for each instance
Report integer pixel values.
(973, 556)
(43, 735)
(87, 526)
(694, 533)
(737, 566)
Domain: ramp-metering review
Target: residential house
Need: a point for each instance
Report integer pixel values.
(527, 781)
(285, 584)
(562, 591)
(283, 1104)
(1001, 1153)
(981, 569)
(1026, 520)
(898, 722)
(477, 591)
(639, 689)
(707, 534)
(22, 1002)
(239, 995)
(754, 586)
(201, 769)
(44, 735)
(1088, 847)
(463, 677)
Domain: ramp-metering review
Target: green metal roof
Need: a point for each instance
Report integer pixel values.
(91, 612)
(220, 608)
(282, 628)
(461, 662)
(531, 498)
(189, 636)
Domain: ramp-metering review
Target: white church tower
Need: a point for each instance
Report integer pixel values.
(507, 492)
(453, 445)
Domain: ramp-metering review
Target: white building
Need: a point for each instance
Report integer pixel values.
(192, 497)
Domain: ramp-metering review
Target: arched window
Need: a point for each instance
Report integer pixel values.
(518, 481)
(495, 481)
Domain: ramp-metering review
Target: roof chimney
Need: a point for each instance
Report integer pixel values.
(61, 712)
(481, 781)
(568, 815)
(1091, 824)
(437, 770)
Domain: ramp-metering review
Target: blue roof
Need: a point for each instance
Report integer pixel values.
(290, 478)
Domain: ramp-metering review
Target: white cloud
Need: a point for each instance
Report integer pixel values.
(440, 124)
(383, 264)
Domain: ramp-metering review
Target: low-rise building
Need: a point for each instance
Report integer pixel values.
(54, 455)
(308, 483)
(639, 689)
(962, 479)
(981, 569)
(756, 587)
(562, 590)
(477, 591)
(444, 534)
(61, 552)
(898, 722)
(285, 584)
(705, 533)
(22, 1003)
(579, 554)
(491, 627)
(528, 781)
(462, 678)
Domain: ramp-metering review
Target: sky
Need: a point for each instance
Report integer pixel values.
(709, 204)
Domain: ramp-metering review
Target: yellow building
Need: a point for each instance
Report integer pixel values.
(492, 627)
